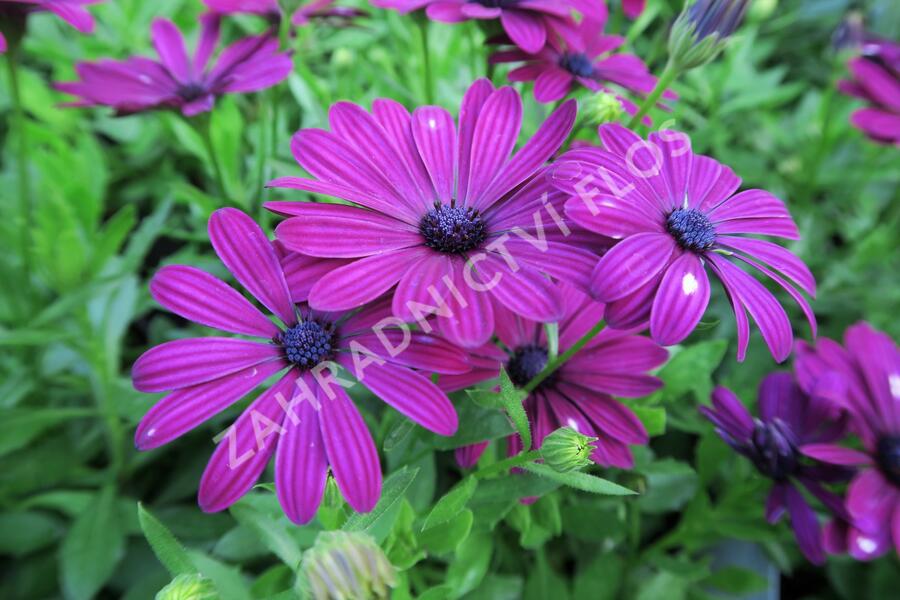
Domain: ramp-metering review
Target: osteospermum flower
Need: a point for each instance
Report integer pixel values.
(863, 375)
(14, 12)
(876, 79)
(789, 419)
(676, 215)
(527, 23)
(305, 419)
(432, 206)
(586, 59)
(190, 84)
(270, 10)
(579, 395)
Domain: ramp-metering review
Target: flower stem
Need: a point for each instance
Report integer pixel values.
(668, 76)
(426, 62)
(205, 133)
(553, 365)
(523, 458)
(21, 162)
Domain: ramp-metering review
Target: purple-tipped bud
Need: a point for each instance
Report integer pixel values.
(699, 33)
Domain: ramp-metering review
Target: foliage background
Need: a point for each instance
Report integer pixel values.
(116, 198)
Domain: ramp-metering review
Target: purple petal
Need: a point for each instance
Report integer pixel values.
(301, 465)
(468, 456)
(526, 291)
(563, 262)
(244, 249)
(776, 503)
(411, 393)
(836, 455)
(73, 14)
(421, 290)
(183, 363)
(469, 113)
(415, 350)
(363, 280)
(611, 216)
(351, 451)
(731, 413)
(209, 39)
(552, 85)
(396, 122)
(630, 264)
(244, 452)
(302, 272)
(777, 257)
(711, 183)
(806, 526)
(198, 296)
(677, 159)
(435, 135)
(609, 415)
(526, 30)
(681, 300)
(494, 138)
(471, 323)
(169, 46)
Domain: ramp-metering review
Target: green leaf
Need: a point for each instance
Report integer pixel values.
(23, 532)
(228, 580)
(543, 582)
(452, 503)
(392, 491)
(581, 481)
(670, 485)
(92, 548)
(272, 532)
(168, 549)
(18, 427)
(512, 398)
(653, 418)
(737, 581)
(446, 537)
(691, 371)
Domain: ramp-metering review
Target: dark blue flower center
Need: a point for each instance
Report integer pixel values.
(887, 455)
(525, 364)
(497, 3)
(692, 229)
(578, 64)
(307, 343)
(191, 91)
(773, 451)
(453, 229)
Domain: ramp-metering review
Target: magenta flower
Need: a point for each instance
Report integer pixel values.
(633, 8)
(441, 217)
(269, 9)
(528, 23)
(70, 11)
(586, 59)
(579, 394)
(677, 214)
(305, 419)
(864, 376)
(876, 79)
(176, 80)
(790, 418)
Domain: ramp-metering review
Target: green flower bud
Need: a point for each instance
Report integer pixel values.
(701, 30)
(188, 587)
(603, 107)
(346, 566)
(567, 450)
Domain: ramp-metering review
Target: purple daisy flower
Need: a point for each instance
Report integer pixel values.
(307, 420)
(876, 79)
(176, 80)
(585, 58)
(528, 23)
(676, 213)
(269, 9)
(579, 394)
(440, 215)
(789, 419)
(70, 11)
(864, 376)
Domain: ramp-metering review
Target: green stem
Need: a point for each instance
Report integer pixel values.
(21, 163)
(668, 76)
(426, 61)
(523, 458)
(553, 365)
(205, 133)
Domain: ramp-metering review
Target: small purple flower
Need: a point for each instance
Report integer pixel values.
(70, 11)
(579, 394)
(305, 419)
(269, 9)
(176, 80)
(775, 443)
(677, 214)
(876, 79)
(441, 217)
(587, 59)
(528, 23)
(864, 376)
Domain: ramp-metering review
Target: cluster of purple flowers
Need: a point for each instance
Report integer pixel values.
(439, 248)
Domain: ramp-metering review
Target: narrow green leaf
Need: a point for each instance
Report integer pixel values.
(392, 491)
(168, 549)
(228, 580)
(271, 532)
(19, 426)
(512, 398)
(92, 548)
(452, 503)
(581, 481)
(653, 418)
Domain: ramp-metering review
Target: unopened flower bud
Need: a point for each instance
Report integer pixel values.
(567, 450)
(603, 107)
(188, 587)
(346, 566)
(701, 29)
